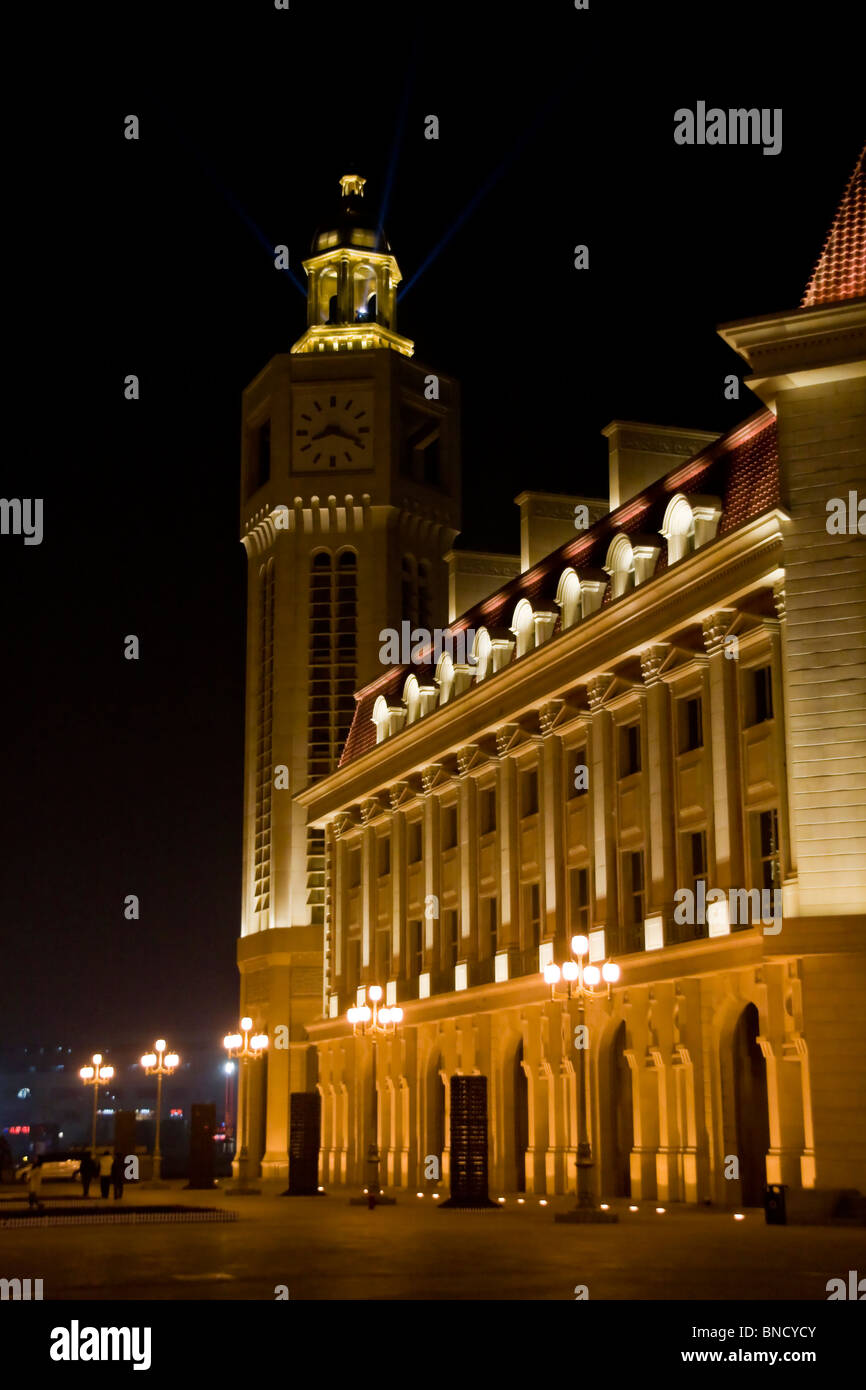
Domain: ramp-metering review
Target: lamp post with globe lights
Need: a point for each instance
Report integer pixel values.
(374, 1023)
(247, 1048)
(583, 982)
(96, 1075)
(159, 1063)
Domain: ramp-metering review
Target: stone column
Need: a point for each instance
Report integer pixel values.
(552, 847)
(662, 811)
(725, 747)
(602, 789)
(507, 832)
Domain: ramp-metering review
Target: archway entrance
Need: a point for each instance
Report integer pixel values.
(752, 1111)
(521, 1119)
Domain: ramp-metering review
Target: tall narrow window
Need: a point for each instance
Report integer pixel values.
(766, 849)
(260, 457)
(449, 827)
(633, 893)
(264, 757)
(487, 810)
(529, 792)
(578, 880)
(353, 962)
(416, 842)
(450, 938)
(415, 948)
(492, 924)
(629, 749)
(691, 724)
(425, 598)
(409, 590)
(578, 774)
(532, 915)
(333, 657)
(760, 695)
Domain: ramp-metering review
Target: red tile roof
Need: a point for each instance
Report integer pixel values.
(740, 468)
(841, 269)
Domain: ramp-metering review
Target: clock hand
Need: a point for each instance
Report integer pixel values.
(334, 432)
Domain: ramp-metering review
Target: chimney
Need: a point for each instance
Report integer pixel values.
(549, 519)
(639, 454)
(474, 575)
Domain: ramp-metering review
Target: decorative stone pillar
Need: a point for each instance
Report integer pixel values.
(725, 749)
(602, 787)
(662, 810)
(553, 840)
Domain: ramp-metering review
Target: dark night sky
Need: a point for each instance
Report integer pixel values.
(122, 777)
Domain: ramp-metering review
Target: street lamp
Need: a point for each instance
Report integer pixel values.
(583, 982)
(247, 1049)
(159, 1063)
(95, 1076)
(375, 1023)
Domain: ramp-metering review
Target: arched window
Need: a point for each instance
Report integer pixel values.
(568, 598)
(523, 628)
(482, 652)
(620, 566)
(678, 528)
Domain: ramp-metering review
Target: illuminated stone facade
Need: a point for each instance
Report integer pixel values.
(669, 703)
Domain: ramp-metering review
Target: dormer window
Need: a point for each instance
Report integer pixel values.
(523, 628)
(568, 598)
(678, 529)
(620, 566)
(482, 654)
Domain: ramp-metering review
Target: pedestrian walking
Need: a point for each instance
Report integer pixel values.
(117, 1175)
(34, 1186)
(105, 1171)
(87, 1171)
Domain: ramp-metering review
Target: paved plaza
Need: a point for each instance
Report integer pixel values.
(323, 1248)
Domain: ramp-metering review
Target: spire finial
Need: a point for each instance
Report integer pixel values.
(352, 184)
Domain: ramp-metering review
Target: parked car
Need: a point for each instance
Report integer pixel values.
(53, 1166)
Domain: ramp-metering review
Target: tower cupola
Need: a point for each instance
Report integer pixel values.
(352, 279)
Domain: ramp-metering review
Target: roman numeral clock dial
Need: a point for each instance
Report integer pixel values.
(332, 431)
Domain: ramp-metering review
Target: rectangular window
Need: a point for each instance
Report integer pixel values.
(449, 937)
(354, 868)
(578, 774)
(489, 926)
(633, 895)
(383, 953)
(698, 857)
(578, 885)
(260, 456)
(415, 948)
(384, 845)
(691, 724)
(629, 750)
(529, 792)
(449, 827)
(766, 848)
(353, 962)
(532, 915)
(760, 696)
(487, 810)
(416, 842)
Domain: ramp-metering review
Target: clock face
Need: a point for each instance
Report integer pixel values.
(332, 430)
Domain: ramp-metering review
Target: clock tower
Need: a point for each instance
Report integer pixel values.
(350, 496)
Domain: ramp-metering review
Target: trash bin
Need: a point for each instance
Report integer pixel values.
(775, 1213)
